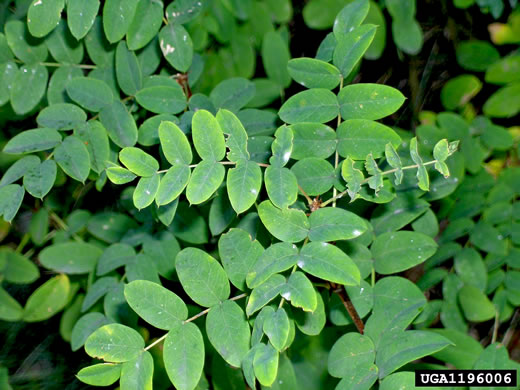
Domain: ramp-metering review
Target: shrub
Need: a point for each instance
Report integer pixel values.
(198, 224)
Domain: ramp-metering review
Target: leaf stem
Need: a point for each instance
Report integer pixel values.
(336, 155)
(309, 200)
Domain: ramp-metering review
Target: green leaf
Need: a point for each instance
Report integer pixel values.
(407, 35)
(313, 323)
(176, 46)
(10, 309)
(72, 156)
(369, 101)
(275, 56)
(172, 184)
(119, 175)
(357, 138)
(11, 197)
(350, 17)
(333, 224)
(312, 140)
(114, 343)
(64, 48)
(103, 374)
(329, 263)
(19, 169)
(471, 268)
(117, 17)
(281, 186)
(502, 104)
(375, 181)
(314, 105)
(350, 353)
(97, 290)
(476, 55)
(277, 258)
(232, 94)
(145, 25)
(400, 380)
(237, 136)
(488, 238)
(239, 254)
(202, 277)
(95, 136)
(56, 91)
(313, 73)
(47, 300)
(397, 214)
(475, 304)
(139, 162)
(28, 88)
(155, 304)
(288, 225)
(264, 293)
(244, 182)
(84, 327)
(62, 116)
(146, 190)
(207, 136)
(315, 175)
(35, 140)
(81, 15)
(353, 176)
(205, 180)
(360, 380)
(504, 71)
(70, 257)
(422, 173)
(18, 268)
(43, 16)
(282, 147)
(120, 125)
(300, 292)
(276, 327)
(393, 159)
(458, 91)
(163, 250)
(90, 93)
(398, 251)
(162, 99)
(39, 180)
(24, 47)
(128, 71)
(138, 372)
(265, 364)
(183, 356)
(174, 143)
(228, 331)
(404, 347)
(351, 47)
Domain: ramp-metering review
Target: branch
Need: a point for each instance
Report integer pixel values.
(342, 293)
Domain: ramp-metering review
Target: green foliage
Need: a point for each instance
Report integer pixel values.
(221, 227)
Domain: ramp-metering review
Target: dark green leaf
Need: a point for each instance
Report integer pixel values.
(72, 156)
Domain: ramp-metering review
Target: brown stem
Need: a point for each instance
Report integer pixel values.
(309, 200)
(342, 293)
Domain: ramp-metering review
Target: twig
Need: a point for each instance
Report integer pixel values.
(342, 293)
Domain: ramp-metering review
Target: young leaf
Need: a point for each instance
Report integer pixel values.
(314, 105)
(333, 224)
(35, 140)
(353, 176)
(394, 161)
(103, 374)
(350, 17)
(138, 372)
(265, 364)
(282, 147)
(172, 184)
(47, 300)
(174, 143)
(264, 293)
(119, 175)
(441, 152)
(244, 182)
(146, 190)
(422, 173)
(183, 356)
(375, 181)
(115, 343)
(288, 225)
(351, 47)
(228, 331)
(139, 162)
(276, 327)
(207, 136)
(72, 156)
(205, 180)
(300, 292)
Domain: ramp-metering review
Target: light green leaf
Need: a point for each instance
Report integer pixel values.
(117, 16)
(276, 327)
(300, 292)
(393, 159)
(11, 197)
(139, 162)
(146, 190)
(314, 105)
(350, 353)
(475, 304)
(228, 331)
(62, 116)
(103, 374)
(174, 143)
(176, 46)
(39, 180)
(311, 323)
(233, 94)
(35, 140)
(90, 93)
(43, 16)
(183, 356)
(244, 182)
(120, 125)
(264, 293)
(281, 186)
(205, 180)
(288, 225)
(375, 181)
(162, 99)
(282, 147)
(353, 176)
(72, 156)
(10, 309)
(207, 136)
(172, 184)
(128, 71)
(145, 24)
(351, 47)
(95, 136)
(369, 101)
(138, 372)
(422, 173)
(502, 104)
(357, 138)
(333, 224)
(237, 136)
(119, 175)
(114, 343)
(275, 56)
(329, 263)
(458, 91)
(28, 87)
(47, 300)
(265, 364)
(202, 277)
(277, 258)
(350, 17)
(70, 257)
(313, 73)
(81, 15)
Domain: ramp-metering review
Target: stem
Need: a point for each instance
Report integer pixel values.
(495, 328)
(509, 333)
(192, 319)
(336, 155)
(341, 194)
(351, 310)
(309, 200)
(23, 242)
